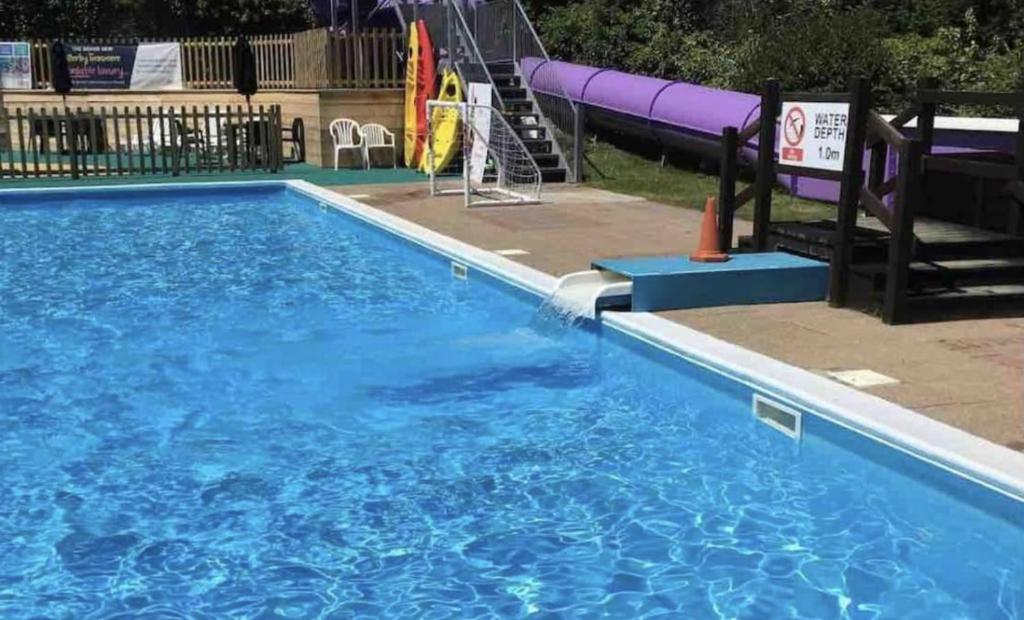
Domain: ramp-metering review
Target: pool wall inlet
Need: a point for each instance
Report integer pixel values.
(909, 442)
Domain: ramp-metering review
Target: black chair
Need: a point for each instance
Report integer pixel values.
(296, 137)
(90, 134)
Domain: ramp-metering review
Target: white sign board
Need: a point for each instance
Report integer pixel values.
(479, 94)
(15, 65)
(157, 67)
(814, 135)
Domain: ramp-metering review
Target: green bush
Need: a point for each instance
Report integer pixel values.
(816, 48)
(954, 57)
(808, 44)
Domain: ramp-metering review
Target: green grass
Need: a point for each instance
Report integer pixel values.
(628, 173)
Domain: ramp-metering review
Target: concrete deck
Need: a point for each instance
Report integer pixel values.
(968, 374)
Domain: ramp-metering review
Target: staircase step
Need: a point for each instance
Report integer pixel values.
(545, 160)
(511, 92)
(968, 295)
(972, 265)
(501, 67)
(506, 79)
(537, 145)
(959, 250)
(519, 118)
(518, 104)
(529, 131)
(950, 274)
(553, 175)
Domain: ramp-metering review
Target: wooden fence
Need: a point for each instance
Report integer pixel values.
(326, 59)
(206, 62)
(118, 141)
(311, 59)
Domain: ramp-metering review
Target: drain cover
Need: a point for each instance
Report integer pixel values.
(862, 378)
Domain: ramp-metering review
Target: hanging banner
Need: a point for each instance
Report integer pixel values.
(15, 65)
(479, 94)
(157, 67)
(147, 66)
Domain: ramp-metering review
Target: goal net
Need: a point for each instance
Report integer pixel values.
(497, 169)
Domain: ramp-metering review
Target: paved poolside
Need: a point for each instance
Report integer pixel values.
(969, 374)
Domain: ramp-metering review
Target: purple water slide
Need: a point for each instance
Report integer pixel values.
(690, 107)
(658, 107)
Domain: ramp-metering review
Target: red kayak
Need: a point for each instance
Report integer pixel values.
(426, 77)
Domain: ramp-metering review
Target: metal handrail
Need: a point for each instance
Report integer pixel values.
(543, 51)
(468, 36)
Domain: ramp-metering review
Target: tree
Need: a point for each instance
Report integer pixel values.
(48, 19)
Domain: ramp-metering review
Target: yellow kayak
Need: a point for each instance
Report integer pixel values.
(447, 127)
(411, 91)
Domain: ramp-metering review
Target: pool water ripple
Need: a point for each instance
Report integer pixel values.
(241, 406)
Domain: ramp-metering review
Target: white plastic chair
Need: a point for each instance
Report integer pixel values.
(347, 136)
(378, 137)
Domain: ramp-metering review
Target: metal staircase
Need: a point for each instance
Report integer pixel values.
(527, 120)
(487, 43)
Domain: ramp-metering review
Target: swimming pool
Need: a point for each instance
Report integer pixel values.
(237, 402)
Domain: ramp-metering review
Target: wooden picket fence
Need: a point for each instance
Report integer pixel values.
(206, 62)
(122, 140)
(327, 59)
(312, 59)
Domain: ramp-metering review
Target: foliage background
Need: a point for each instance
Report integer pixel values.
(45, 19)
(809, 44)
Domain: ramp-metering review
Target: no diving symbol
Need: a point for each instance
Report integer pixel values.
(793, 126)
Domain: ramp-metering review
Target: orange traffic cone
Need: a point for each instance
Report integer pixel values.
(708, 250)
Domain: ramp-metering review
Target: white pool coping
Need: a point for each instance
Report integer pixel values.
(987, 463)
(957, 451)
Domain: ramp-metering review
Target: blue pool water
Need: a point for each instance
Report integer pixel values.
(238, 405)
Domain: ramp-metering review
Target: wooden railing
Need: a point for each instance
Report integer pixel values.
(118, 141)
(906, 189)
(916, 158)
(867, 130)
(734, 141)
(311, 59)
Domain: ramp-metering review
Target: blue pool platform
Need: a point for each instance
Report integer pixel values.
(676, 282)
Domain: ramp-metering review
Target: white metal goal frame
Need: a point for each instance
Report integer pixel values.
(497, 168)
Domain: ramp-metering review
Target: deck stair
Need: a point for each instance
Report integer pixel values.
(956, 270)
(923, 231)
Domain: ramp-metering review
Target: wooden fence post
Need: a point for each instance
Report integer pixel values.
(728, 169)
(901, 243)
(849, 193)
(926, 117)
(771, 100)
(72, 129)
(1013, 226)
(173, 126)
